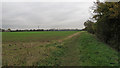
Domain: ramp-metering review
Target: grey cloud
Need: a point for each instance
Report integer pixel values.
(23, 15)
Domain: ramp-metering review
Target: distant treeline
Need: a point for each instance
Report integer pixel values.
(106, 23)
(26, 30)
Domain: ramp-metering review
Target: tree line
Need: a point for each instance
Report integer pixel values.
(105, 23)
(29, 30)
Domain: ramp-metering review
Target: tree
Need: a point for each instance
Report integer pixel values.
(9, 29)
(107, 25)
(89, 26)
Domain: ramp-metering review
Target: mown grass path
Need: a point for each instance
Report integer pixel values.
(82, 49)
(71, 57)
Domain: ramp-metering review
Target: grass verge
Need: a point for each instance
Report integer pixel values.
(82, 50)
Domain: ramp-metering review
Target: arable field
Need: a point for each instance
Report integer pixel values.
(56, 48)
(27, 48)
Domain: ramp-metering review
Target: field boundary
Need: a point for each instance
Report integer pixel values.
(75, 34)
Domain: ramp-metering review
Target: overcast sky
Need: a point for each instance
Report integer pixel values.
(30, 15)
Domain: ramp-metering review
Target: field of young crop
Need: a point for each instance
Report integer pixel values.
(43, 36)
(53, 48)
(26, 48)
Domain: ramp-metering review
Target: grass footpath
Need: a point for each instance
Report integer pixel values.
(81, 50)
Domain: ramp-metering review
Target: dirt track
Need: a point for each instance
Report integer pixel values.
(69, 37)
